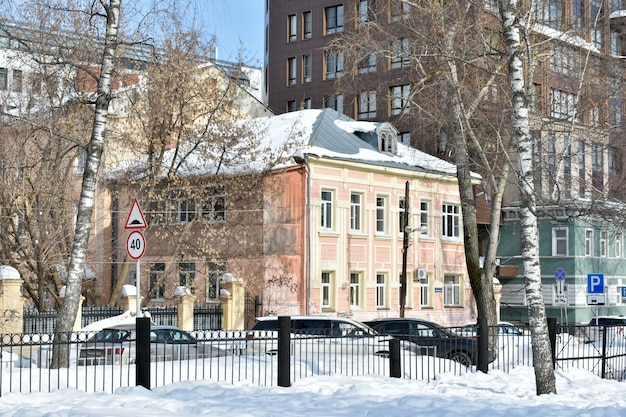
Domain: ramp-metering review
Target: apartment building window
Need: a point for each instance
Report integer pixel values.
(306, 68)
(615, 161)
(334, 102)
(327, 209)
(549, 12)
(367, 11)
(157, 280)
(356, 211)
(333, 18)
(306, 103)
(564, 59)
(424, 292)
(367, 105)
(307, 25)
(400, 99)
(401, 53)
(187, 274)
(81, 162)
(4, 79)
(597, 165)
(333, 64)
(292, 28)
(451, 291)
(604, 243)
(326, 290)
(215, 270)
(595, 7)
(425, 217)
(367, 64)
(17, 81)
(560, 245)
(381, 291)
(562, 104)
(404, 138)
(401, 211)
(619, 244)
(581, 169)
(355, 290)
(577, 13)
(399, 10)
(451, 221)
(291, 106)
(588, 242)
(567, 167)
(291, 71)
(551, 155)
(615, 110)
(183, 205)
(381, 214)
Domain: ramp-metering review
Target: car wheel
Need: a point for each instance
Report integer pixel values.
(461, 357)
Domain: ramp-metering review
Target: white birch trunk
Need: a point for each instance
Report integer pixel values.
(68, 310)
(542, 355)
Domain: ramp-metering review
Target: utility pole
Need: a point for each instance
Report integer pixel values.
(405, 248)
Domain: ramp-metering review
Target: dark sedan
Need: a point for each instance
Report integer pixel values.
(434, 339)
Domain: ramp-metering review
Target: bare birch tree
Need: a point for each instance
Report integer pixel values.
(542, 354)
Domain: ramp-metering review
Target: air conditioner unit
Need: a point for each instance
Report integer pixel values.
(421, 274)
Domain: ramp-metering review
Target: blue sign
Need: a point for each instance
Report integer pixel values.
(623, 292)
(560, 274)
(595, 283)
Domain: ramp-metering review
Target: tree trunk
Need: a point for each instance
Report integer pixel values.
(68, 310)
(542, 355)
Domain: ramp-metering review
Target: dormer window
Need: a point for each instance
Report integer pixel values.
(387, 139)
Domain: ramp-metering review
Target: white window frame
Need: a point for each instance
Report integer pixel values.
(451, 290)
(604, 243)
(381, 290)
(589, 249)
(356, 212)
(326, 198)
(451, 221)
(425, 292)
(355, 290)
(558, 237)
(619, 245)
(425, 216)
(381, 214)
(326, 290)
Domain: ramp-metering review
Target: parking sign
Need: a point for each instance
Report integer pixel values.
(595, 283)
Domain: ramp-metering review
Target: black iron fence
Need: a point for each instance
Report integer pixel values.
(42, 322)
(232, 356)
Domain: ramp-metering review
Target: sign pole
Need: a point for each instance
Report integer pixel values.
(138, 295)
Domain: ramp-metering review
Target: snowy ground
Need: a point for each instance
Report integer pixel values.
(494, 394)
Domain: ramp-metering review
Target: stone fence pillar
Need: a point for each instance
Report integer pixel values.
(186, 302)
(11, 301)
(129, 299)
(497, 294)
(232, 298)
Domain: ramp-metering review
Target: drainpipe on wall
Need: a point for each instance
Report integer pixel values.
(308, 234)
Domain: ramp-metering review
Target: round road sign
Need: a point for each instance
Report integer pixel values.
(136, 244)
(560, 274)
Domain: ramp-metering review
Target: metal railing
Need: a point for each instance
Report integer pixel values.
(232, 356)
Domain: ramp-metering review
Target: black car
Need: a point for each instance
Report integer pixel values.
(434, 339)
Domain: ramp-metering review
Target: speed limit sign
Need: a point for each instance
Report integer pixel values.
(135, 244)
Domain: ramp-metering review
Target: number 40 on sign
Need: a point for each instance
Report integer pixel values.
(136, 244)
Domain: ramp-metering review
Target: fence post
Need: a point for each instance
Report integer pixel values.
(482, 363)
(552, 335)
(232, 298)
(395, 367)
(142, 361)
(284, 351)
(186, 302)
(11, 301)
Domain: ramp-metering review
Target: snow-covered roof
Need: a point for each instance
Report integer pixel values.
(281, 140)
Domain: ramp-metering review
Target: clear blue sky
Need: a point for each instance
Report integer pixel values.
(236, 24)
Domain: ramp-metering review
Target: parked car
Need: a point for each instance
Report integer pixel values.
(336, 335)
(504, 329)
(117, 344)
(434, 339)
(614, 328)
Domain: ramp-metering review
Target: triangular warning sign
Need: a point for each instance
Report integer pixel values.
(135, 218)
